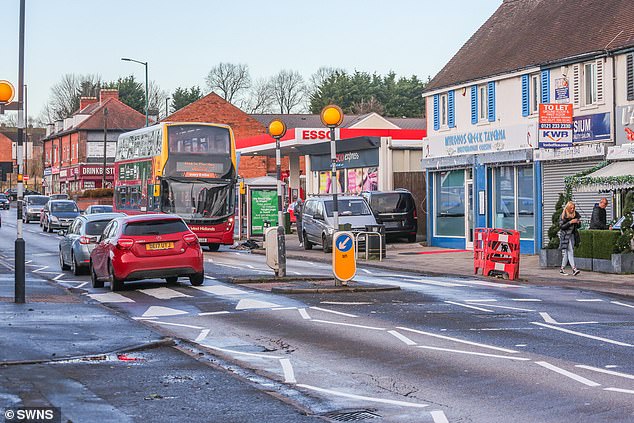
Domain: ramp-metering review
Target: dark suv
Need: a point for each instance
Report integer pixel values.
(396, 210)
(58, 214)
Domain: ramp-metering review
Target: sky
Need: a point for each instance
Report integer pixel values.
(183, 40)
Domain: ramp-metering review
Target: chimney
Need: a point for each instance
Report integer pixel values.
(86, 101)
(105, 94)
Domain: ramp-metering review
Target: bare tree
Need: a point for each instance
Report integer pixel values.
(157, 98)
(318, 78)
(65, 94)
(368, 106)
(289, 91)
(229, 80)
(261, 98)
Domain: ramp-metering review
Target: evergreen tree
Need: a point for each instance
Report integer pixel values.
(184, 96)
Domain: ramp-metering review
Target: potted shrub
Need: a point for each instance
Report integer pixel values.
(550, 256)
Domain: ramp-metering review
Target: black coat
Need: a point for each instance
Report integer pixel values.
(599, 218)
(568, 231)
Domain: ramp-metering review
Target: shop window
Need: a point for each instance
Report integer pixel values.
(514, 205)
(535, 90)
(484, 103)
(443, 110)
(449, 203)
(587, 83)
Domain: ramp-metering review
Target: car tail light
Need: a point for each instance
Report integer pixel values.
(125, 243)
(415, 214)
(190, 238)
(86, 240)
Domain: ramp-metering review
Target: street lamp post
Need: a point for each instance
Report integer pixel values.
(105, 144)
(126, 59)
(332, 116)
(20, 247)
(167, 107)
(277, 129)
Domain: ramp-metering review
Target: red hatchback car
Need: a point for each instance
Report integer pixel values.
(144, 247)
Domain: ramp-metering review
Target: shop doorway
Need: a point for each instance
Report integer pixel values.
(468, 212)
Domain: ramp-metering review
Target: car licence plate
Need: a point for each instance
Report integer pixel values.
(392, 224)
(203, 240)
(159, 246)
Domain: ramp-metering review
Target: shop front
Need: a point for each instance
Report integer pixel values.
(357, 171)
(484, 178)
(84, 177)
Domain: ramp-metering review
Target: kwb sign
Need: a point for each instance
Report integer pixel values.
(555, 125)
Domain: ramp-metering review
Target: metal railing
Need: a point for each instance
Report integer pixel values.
(367, 242)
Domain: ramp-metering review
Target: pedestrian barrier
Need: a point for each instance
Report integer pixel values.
(497, 252)
(366, 237)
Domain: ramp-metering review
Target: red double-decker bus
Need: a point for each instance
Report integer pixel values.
(184, 168)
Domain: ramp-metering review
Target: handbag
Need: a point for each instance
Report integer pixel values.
(577, 238)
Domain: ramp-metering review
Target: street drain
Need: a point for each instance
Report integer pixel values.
(352, 415)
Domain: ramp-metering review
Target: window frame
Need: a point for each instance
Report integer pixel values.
(483, 103)
(590, 87)
(534, 93)
(443, 106)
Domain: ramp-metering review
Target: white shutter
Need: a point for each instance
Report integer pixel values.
(600, 81)
(576, 85)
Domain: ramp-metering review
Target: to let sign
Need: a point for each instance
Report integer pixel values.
(555, 125)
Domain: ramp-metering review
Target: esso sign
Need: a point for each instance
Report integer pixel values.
(315, 134)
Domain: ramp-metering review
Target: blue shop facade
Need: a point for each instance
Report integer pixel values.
(486, 177)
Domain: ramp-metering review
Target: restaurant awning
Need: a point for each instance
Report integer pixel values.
(614, 176)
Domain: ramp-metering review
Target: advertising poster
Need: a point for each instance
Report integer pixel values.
(263, 208)
(555, 125)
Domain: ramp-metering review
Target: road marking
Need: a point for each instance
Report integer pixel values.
(39, 269)
(210, 278)
(359, 397)
(533, 300)
(566, 373)
(283, 308)
(462, 341)
(473, 353)
(592, 300)
(226, 265)
(214, 313)
(58, 276)
(437, 283)
(346, 302)
(163, 293)
(549, 319)
(622, 304)
(491, 300)
(624, 391)
(297, 273)
(346, 324)
(333, 312)
(367, 271)
(203, 334)
(304, 314)
(439, 417)
(243, 353)
(28, 261)
(219, 290)
(508, 308)
(251, 304)
(250, 266)
(158, 311)
(494, 284)
(81, 285)
(287, 368)
(609, 372)
(144, 318)
(176, 324)
(110, 297)
(583, 334)
(469, 306)
(403, 338)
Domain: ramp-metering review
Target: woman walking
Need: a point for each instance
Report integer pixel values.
(569, 224)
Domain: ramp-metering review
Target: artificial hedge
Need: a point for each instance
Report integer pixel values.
(597, 244)
(585, 247)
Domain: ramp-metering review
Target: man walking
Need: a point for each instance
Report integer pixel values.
(599, 219)
(298, 210)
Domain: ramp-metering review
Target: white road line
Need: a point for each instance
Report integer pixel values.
(297, 273)
(359, 397)
(210, 278)
(491, 347)
(437, 283)
(28, 261)
(469, 306)
(622, 304)
(566, 373)
(144, 318)
(160, 311)
(214, 313)
(176, 324)
(403, 338)
(508, 308)
(346, 302)
(220, 290)
(283, 308)
(346, 324)
(608, 372)
(203, 334)
(592, 300)
(490, 300)
(81, 285)
(304, 314)
(439, 416)
(274, 357)
(333, 312)
(287, 368)
(624, 391)
(494, 284)
(367, 271)
(110, 297)
(527, 300)
(583, 334)
(163, 293)
(473, 353)
(39, 269)
(226, 265)
(549, 319)
(250, 266)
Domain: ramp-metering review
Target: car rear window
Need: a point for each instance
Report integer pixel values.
(101, 209)
(96, 227)
(3, 197)
(64, 207)
(37, 201)
(155, 227)
(348, 208)
(391, 202)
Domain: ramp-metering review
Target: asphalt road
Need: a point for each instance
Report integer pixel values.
(439, 350)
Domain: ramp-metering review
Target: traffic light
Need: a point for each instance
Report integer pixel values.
(6, 91)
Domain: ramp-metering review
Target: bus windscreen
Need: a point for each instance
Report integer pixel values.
(197, 199)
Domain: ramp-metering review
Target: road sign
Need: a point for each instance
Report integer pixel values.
(344, 264)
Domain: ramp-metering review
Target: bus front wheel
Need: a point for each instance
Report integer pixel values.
(213, 247)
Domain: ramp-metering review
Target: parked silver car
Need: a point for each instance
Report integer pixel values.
(80, 239)
(318, 221)
(33, 206)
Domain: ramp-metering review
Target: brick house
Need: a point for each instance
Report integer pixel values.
(32, 156)
(74, 147)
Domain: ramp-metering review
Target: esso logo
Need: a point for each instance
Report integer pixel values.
(315, 134)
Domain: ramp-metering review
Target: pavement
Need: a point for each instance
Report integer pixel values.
(435, 261)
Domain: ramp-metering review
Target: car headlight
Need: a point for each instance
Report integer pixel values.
(330, 230)
(54, 219)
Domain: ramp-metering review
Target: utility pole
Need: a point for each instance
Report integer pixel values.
(105, 144)
(20, 283)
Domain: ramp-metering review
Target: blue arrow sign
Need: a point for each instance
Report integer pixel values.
(343, 243)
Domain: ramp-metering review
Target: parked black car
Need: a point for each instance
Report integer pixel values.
(396, 210)
(12, 193)
(4, 202)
